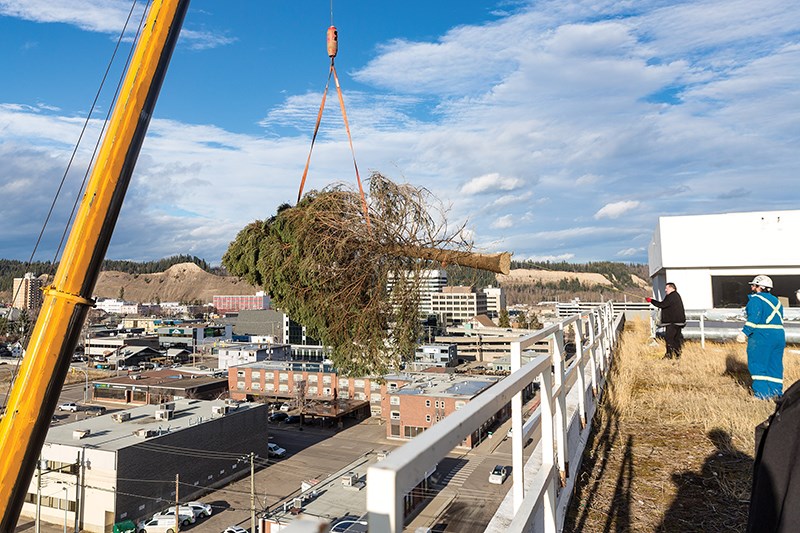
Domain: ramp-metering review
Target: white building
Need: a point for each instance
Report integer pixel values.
(106, 469)
(456, 305)
(495, 300)
(431, 282)
(439, 355)
(711, 258)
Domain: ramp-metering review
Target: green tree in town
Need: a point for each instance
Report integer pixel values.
(503, 320)
(533, 321)
(522, 320)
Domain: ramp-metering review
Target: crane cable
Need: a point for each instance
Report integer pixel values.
(333, 48)
(6, 318)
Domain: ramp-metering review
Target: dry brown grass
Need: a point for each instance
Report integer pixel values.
(672, 444)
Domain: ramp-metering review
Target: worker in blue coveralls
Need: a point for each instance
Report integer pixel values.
(765, 338)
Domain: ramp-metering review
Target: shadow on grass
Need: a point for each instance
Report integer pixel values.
(716, 498)
(595, 461)
(738, 371)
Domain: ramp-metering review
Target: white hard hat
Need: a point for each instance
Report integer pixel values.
(762, 281)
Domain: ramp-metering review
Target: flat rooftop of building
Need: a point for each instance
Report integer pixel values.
(105, 433)
(164, 377)
(439, 385)
(334, 499)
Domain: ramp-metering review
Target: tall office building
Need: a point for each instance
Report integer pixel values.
(27, 292)
(431, 282)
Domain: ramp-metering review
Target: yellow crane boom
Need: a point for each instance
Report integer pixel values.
(35, 392)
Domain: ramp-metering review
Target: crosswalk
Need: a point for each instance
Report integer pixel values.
(457, 476)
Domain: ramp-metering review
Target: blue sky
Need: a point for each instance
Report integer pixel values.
(555, 130)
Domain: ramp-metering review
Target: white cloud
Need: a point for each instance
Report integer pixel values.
(506, 221)
(491, 182)
(551, 258)
(616, 209)
(629, 252)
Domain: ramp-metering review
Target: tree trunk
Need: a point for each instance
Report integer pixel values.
(499, 263)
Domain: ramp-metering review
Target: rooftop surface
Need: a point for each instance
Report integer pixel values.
(163, 377)
(108, 434)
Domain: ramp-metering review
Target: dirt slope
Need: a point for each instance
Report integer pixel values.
(185, 282)
(524, 275)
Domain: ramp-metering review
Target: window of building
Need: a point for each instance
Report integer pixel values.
(269, 375)
(395, 415)
(283, 388)
(255, 375)
(313, 378)
(394, 430)
(394, 400)
(412, 431)
(326, 379)
(460, 404)
(255, 385)
(427, 403)
(375, 397)
(358, 383)
(240, 373)
(427, 418)
(283, 376)
(313, 390)
(240, 385)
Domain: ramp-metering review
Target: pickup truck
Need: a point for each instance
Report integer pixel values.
(72, 407)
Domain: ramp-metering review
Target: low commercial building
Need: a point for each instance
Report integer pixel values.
(124, 466)
(435, 355)
(417, 405)
(239, 354)
(158, 386)
(191, 336)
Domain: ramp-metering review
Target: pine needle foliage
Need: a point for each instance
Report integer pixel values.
(330, 270)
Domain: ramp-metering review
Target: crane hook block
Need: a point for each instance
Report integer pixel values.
(333, 41)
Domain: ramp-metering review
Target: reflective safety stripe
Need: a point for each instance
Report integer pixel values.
(768, 378)
(775, 309)
(764, 326)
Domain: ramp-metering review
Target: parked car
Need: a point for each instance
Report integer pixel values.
(202, 510)
(234, 529)
(274, 450)
(96, 409)
(286, 408)
(498, 475)
(292, 419)
(72, 407)
(185, 515)
(156, 525)
(278, 416)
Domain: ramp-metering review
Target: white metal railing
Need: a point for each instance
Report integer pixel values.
(389, 480)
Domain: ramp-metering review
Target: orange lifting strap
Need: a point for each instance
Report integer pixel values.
(333, 48)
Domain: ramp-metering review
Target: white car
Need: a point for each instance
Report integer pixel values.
(286, 408)
(498, 475)
(275, 451)
(235, 529)
(201, 510)
(156, 525)
(186, 515)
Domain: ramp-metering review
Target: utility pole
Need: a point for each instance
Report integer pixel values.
(252, 494)
(38, 528)
(177, 505)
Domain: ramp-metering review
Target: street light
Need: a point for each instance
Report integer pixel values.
(86, 383)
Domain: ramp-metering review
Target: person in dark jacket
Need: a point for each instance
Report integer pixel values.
(673, 318)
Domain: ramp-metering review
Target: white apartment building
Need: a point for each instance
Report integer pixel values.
(455, 305)
(495, 300)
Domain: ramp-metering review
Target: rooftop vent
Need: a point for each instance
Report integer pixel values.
(121, 417)
(78, 434)
(163, 414)
(349, 479)
(218, 411)
(145, 433)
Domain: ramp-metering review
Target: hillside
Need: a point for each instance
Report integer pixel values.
(185, 282)
(526, 284)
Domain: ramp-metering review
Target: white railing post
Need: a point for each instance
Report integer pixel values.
(384, 503)
(593, 355)
(546, 394)
(517, 459)
(581, 364)
(702, 330)
(560, 405)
